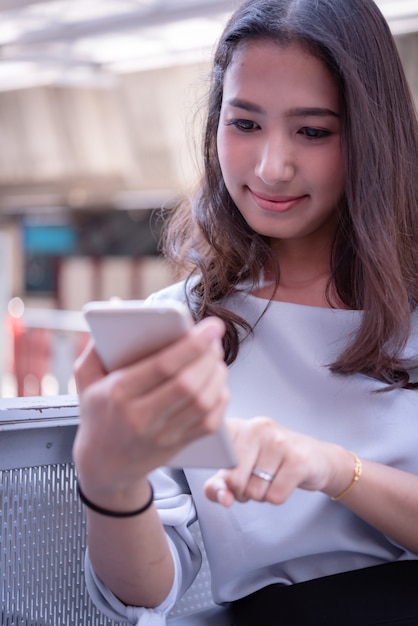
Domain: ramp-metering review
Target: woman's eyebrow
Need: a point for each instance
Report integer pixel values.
(244, 104)
(312, 112)
(296, 112)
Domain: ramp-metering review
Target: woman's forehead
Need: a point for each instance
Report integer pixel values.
(264, 71)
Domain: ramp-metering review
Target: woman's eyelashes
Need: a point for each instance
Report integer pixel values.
(242, 125)
(310, 132)
(314, 133)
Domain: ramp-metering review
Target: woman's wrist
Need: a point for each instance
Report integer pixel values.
(346, 475)
(356, 477)
(119, 502)
(113, 513)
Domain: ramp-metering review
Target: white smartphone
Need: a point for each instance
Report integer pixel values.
(125, 331)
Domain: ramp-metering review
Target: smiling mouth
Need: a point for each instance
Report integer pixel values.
(277, 204)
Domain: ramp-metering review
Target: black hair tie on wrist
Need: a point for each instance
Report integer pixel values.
(98, 509)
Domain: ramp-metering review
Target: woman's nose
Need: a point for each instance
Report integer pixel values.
(276, 162)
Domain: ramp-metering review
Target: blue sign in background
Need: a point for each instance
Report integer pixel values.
(49, 239)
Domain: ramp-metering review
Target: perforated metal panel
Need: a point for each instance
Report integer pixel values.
(43, 528)
(42, 549)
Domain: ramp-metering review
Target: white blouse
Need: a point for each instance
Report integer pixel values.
(282, 372)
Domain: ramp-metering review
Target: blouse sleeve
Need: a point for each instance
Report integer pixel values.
(177, 512)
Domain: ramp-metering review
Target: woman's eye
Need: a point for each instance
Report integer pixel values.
(314, 133)
(242, 125)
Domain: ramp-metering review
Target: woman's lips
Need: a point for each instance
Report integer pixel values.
(278, 204)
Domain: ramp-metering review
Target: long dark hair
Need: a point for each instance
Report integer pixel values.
(374, 264)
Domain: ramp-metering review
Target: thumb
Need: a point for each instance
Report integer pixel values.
(217, 490)
(88, 368)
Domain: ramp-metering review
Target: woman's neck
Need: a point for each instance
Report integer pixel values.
(304, 278)
(311, 292)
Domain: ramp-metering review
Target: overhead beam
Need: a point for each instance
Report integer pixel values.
(11, 5)
(157, 16)
(398, 13)
(25, 56)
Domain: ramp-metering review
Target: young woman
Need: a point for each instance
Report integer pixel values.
(302, 250)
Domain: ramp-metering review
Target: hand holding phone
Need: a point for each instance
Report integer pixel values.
(125, 331)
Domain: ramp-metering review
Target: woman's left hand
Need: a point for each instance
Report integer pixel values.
(273, 461)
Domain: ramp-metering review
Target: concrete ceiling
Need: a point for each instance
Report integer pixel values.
(90, 39)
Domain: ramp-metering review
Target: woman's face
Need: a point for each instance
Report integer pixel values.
(279, 141)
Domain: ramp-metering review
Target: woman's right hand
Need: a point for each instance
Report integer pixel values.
(135, 419)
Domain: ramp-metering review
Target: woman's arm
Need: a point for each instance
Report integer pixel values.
(131, 422)
(385, 497)
(131, 555)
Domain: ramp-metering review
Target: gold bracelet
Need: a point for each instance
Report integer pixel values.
(357, 473)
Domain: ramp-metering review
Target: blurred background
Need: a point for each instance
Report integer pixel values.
(100, 126)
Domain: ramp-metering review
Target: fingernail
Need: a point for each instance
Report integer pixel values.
(220, 495)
